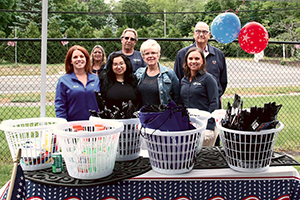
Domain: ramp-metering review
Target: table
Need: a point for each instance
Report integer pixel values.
(278, 182)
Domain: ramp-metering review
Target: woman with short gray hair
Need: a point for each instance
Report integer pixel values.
(158, 84)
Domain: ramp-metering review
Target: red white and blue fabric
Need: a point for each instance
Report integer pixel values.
(279, 189)
(19, 191)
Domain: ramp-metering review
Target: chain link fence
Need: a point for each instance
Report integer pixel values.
(271, 76)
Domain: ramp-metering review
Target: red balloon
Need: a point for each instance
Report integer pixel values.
(253, 38)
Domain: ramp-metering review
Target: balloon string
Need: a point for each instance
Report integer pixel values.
(239, 7)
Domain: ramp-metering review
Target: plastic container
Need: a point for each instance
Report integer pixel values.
(89, 152)
(248, 151)
(200, 114)
(35, 138)
(173, 152)
(219, 114)
(130, 140)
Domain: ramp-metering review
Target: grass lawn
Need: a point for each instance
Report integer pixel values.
(5, 173)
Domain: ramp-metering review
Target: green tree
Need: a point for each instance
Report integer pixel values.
(109, 47)
(32, 14)
(30, 52)
(133, 18)
(72, 32)
(143, 32)
(6, 18)
(86, 32)
(172, 46)
(54, 30)
(53, 55)
(76, 20)
(112, 23)
(98, 20)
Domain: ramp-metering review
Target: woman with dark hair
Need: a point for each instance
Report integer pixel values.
(199, 90)
(119, 85)
(75, 91)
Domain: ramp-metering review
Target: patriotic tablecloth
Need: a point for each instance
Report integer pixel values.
(278, 183)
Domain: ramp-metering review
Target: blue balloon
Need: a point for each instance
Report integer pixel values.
(226, 27)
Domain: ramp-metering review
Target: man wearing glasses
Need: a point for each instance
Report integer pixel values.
(129, 38)
(215, 59)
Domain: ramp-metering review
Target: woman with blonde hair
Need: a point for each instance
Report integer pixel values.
(158, 84)
(98, 59)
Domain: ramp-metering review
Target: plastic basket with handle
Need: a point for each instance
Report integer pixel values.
(173, 152)
(248, 151)
(89, 147)
(200, 114)
(35, 138)
(130, 140)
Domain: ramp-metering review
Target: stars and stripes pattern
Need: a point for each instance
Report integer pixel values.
(64, 42)
(19, 191)
(280, 189)
(11, 43)
(226, 27)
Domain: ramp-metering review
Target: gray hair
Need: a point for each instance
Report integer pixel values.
(203, 23)
(132, 30)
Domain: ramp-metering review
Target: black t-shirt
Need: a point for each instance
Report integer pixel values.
(149, 90)
(118, 93)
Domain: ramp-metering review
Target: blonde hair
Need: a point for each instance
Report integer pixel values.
(103, 57)
(148, 44)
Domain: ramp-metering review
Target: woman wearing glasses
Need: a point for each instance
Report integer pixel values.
(98, 59)
(120, 84)
(158, 84)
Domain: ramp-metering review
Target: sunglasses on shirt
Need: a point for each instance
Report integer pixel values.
(131, 39)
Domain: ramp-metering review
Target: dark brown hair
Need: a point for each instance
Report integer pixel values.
(187, 70)
(69, 67)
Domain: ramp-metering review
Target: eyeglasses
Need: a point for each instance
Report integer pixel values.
(152, 53)
(131, 39)
(118, 64)
(204, 32)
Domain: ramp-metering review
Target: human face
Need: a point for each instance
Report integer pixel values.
(78, 60)
(97, 54)
(128, 40)
(151, 56)
(201, 34)
(119, 66)
(194, 61)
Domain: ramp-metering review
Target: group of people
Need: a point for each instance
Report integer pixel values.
(198, 80)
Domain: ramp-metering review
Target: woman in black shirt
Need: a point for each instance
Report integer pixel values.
(119, 85)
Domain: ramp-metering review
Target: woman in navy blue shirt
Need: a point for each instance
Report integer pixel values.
(199, 89)
(75, 91)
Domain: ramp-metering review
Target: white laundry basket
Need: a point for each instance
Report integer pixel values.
(89, 153)
(219, 114)
(35, 138)
(248, 151)
(173, 152)
(129, 147)
(200, 114)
